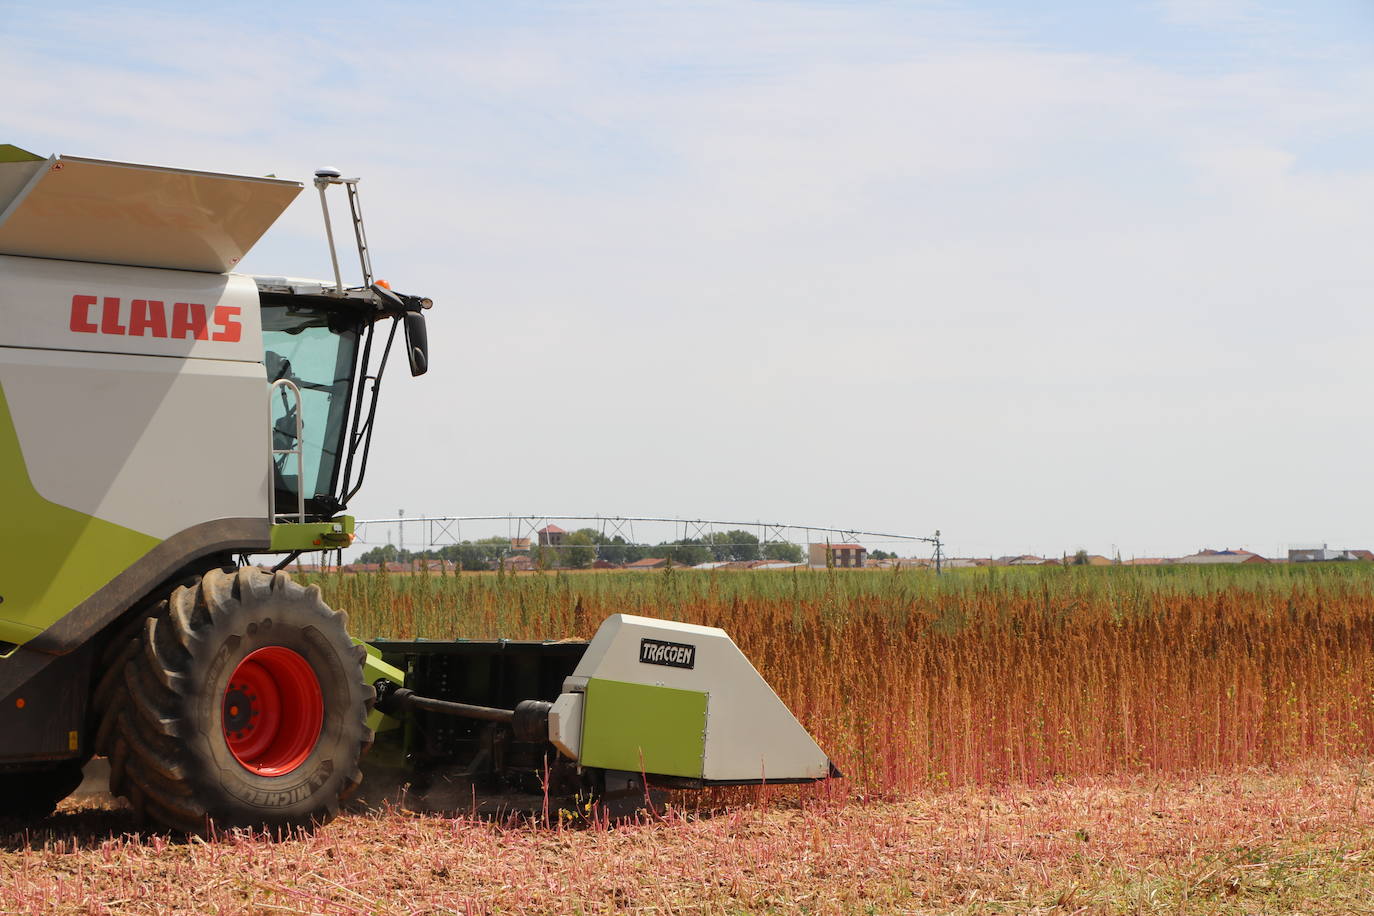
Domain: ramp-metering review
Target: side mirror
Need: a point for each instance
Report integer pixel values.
(417, 343)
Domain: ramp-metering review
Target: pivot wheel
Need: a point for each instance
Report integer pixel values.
(240, 702)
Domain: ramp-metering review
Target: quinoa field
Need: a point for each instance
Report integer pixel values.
(985, 676)
(1068, 740)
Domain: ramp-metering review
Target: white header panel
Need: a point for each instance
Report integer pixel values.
(750, 732)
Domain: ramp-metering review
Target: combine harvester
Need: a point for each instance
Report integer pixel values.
(163, 419)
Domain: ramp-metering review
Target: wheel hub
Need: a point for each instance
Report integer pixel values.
(273, 711)
(238, 711)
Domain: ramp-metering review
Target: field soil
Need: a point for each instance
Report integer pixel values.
(1296, 840)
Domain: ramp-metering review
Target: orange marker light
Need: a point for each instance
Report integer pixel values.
(19, 703)
(383, 284)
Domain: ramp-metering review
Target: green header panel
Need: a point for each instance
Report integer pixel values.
(644, 728)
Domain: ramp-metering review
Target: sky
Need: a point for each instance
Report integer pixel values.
(1041, 276)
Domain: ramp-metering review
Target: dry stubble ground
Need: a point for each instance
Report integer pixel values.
(1299, 840)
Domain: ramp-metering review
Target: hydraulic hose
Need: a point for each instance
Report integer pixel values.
(529, 720)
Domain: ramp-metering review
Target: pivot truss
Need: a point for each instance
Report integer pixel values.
(426, 532)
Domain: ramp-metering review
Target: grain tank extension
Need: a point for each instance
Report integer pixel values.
(163, 421)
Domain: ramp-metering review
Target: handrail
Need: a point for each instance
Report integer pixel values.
(298, 451)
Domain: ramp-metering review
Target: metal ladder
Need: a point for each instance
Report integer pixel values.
(323, 179)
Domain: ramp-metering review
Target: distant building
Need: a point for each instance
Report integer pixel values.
(648, 563)
(839, 556)
(1221, 557)
(551, 536)
(1025, 559)
(1324, 553)
(902, 563)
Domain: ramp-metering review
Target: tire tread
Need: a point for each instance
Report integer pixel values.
(144, 714)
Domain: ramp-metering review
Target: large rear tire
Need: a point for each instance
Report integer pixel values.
(240, 702)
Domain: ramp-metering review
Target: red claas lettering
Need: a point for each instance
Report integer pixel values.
(81, 315)
(147, 316)
(109, 317)
(150, 318)
(226, 320)
(188, 320)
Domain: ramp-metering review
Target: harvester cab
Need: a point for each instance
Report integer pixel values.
(162, 419)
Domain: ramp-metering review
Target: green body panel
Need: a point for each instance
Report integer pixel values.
(374, 668)
(11, 153)
(643, 728)
(54, 557)
(314, 535)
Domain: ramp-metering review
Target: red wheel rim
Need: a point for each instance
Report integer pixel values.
(273, 711)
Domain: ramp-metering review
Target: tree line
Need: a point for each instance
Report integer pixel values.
(581, 548)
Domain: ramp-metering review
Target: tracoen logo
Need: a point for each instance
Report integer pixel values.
(152, 318)
(672, 654)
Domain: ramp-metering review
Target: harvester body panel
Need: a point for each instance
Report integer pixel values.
(106, 308)
(134, 411)
(135, 427)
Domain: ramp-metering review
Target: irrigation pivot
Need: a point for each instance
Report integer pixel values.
(439, 531)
